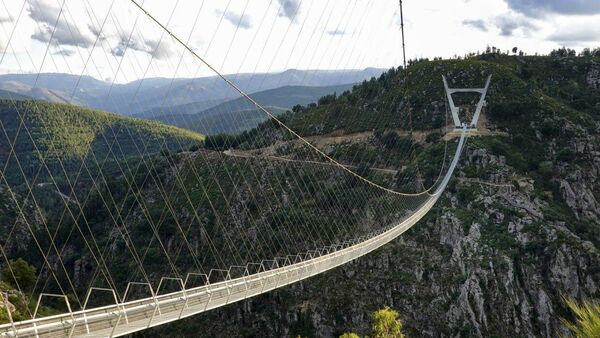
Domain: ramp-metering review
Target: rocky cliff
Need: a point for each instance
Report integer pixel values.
(516, 231)
(489, 260)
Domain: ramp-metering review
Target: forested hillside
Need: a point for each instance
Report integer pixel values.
(517, 228)
(238, 115)
(56, 134)
(516, 231)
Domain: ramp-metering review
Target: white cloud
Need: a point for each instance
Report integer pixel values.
(60, 32)
(236, 19)
(433, 28)
(477, 24)
(158, 50)
(509, 24)
(289, 9)
(565, 7)
(576, 35)
(64, 52)
(335, 32)
(96, 32)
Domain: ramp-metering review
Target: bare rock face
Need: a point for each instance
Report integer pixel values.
(545, 312)
(5, 304)
(593, 76)
(581, 200)
(563, 271)
(470, 306)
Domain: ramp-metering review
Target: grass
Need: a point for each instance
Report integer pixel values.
(587, 318)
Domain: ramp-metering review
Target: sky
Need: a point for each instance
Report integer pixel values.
(113, 40)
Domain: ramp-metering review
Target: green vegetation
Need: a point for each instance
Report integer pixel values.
(385, 323)
(21, 305)
(536, 122)
(233, 122)
(72, 134)
(587, 319)
(349, 335)
(378, 103)
(237, 115)
(524, 89)
(17, 279)
(561, 76)
(260, 136)
(68, 131)
(19, 274)
(225, 198)
(222, 120)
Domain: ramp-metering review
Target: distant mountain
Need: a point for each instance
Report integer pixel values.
(5, 94)
(285, 97)
(25, 90)
(140, 96)
(232, 122)
(55, 88)
(221, 118)
(218, 122)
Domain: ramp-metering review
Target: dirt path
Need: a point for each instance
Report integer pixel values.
(243, 154)
(337, 137)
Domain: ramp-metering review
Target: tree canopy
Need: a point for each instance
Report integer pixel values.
(19, 274)
(385, 323)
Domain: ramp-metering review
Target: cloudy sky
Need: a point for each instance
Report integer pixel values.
(114, 40)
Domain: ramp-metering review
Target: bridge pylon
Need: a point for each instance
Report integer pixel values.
(454, 109)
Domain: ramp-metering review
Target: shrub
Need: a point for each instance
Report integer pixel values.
(327, 99)
(363, 169)
(18, 273)
(349, 335)
(550, 128)
(195, 147)
(432, 138)
(391, 140)
(519, 139)
(298, 108)
(566, 155)
(545, 168)
(465, 193)
(221, 141)
(386, 324)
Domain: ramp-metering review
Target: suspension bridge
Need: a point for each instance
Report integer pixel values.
(224, 225)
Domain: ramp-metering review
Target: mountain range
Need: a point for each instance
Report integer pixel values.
(155, 93)
(240, 114)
